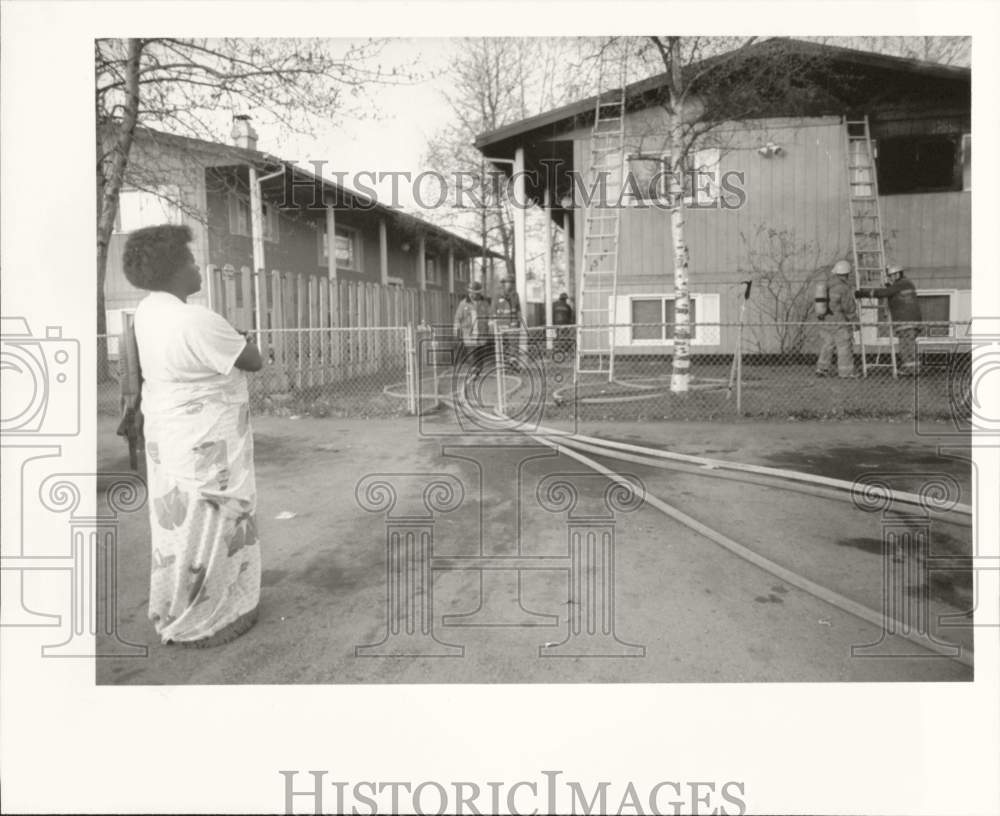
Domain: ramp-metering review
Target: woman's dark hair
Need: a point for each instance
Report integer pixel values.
(153, 255)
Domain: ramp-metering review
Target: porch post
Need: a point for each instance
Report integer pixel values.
(548, 268)
(257, 240)
(209, 278)
(383, 248)
(520, 226)
(451, 270)
(421, 264)
(331, 242)
(570, 255)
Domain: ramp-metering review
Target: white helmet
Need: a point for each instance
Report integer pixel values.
(842, 268)
(893, 270)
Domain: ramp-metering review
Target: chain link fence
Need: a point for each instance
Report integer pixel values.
(109, 379)
(760, 370)
(351, 372)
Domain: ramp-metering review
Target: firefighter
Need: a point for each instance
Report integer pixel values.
(472, 330)
(905, 312)
(507, 314)
(562, 316)
(841, 314)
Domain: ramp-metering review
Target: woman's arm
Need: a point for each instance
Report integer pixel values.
(249, 359)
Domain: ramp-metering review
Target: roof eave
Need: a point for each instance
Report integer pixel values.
(637, 89)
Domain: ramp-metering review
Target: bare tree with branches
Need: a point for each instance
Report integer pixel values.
(496, 81)
(189, 87)
(784, 271)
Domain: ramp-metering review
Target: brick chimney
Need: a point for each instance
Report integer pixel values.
(243, 134)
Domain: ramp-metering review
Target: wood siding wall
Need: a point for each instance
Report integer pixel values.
(804, 191)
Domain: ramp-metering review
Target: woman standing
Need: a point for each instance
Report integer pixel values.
(205, 575)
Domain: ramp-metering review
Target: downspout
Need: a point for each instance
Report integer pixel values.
(520, 225)
(257, 239)
(548, 270)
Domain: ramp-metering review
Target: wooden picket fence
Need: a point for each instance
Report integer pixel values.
(316, 331)
(291, 300)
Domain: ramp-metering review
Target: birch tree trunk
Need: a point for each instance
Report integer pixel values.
(681, 375)
(112, 185)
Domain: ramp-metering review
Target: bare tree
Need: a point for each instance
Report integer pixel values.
(495, 81)
(784, 271)
(487, 90)
(183, 85)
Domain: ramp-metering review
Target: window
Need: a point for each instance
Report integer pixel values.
(645, 314)
(148, 208)
(240, 222)
(462, 269)
(659, 311)
(650, 178)
(647, 320)
(270, 220)
(642, 183)
(920, 164)
(935, 306)
(348, 248)
(431, 272)
(966, 161)
(239, 215)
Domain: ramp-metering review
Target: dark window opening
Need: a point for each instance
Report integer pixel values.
(919, 164)
(966, 161)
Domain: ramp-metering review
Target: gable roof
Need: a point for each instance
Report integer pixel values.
(638, 94)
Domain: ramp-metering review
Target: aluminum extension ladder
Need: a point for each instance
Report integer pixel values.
(866, 235)
(595, 349)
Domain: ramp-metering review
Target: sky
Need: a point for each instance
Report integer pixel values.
(395, 137)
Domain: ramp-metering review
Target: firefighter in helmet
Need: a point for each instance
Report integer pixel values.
(837, 330)
(905, 312)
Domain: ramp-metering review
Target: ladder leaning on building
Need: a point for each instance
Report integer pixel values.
(599, 272)
(867, 242)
